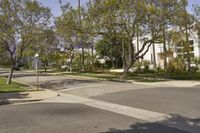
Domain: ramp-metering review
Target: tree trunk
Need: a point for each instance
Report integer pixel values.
(188, 52)
(70, 68)
(116, 64)
(154, 56)
(125, 72)
(82, 59)
(112, 61)
(45, 63)
(92, 55)
(125, 67)
(71, 63)
(45, 68)
(11, 69)
(123, 55)
(164, 48)
(138, 47)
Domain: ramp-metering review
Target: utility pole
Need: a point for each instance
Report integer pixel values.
(79, 5)
(92, 41)
(81, 39)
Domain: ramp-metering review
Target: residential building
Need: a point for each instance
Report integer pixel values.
(173, 50)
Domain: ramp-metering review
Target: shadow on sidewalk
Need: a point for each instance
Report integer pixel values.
(175, 124)
(6, 97)
(19, 74)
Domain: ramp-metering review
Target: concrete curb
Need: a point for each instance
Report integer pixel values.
(109, 80)
(32, 98)
(6, 101)
(14, 101)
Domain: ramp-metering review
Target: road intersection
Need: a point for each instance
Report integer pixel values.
(87, 105)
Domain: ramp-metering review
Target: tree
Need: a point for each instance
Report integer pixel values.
(2, 56)
(167, 11)
(9, 29)
(197, 22)
(112, 50)
(185, 22)
(47, 46)
(67, 30)
(33, 18)
(20, 23)
(122, 17)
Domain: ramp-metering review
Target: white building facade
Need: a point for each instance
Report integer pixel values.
(173, 50)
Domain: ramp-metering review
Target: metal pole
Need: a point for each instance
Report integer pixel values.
(79, 4)
(37, 72)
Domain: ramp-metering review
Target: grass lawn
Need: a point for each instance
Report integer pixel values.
(98, 75)
(166, 76)
(113, 76)
(14, 87)
(138, 77)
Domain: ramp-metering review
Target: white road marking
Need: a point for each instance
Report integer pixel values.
(88, 86)
(146, 115)
(142, 114)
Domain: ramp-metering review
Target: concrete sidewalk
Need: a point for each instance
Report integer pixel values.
(29, 96)
(171, 83)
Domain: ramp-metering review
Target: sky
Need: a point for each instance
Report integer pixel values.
(55, 7)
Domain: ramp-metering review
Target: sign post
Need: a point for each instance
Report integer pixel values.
(36, 67)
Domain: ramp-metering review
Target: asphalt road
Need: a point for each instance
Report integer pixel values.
(171, 100)
(58, 116)
(72, 118)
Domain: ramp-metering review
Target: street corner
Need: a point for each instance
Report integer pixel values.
(24, 97)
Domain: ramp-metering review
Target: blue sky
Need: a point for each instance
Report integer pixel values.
(54, 4)
(55, 7)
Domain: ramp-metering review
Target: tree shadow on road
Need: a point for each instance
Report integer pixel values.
(64, 83)
(175, 124)
(6, 97)
(22, 74)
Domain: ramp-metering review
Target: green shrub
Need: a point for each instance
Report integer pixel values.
(176, 66)
(193, 69)
(145, 64)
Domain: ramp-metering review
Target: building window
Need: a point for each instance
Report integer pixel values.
(191, 42)
(192, 48)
